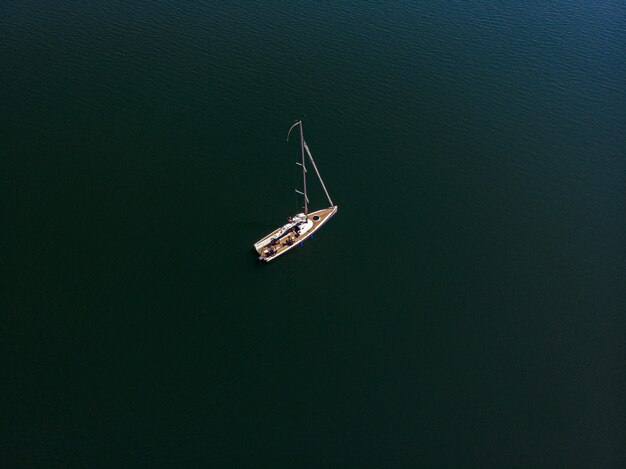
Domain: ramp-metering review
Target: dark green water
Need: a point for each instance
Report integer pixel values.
(465, 308)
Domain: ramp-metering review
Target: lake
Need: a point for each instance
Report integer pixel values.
(464, 307)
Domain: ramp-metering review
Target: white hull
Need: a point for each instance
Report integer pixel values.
(301, 226)
(322, 217)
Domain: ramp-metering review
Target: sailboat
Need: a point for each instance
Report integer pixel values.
(301, 226)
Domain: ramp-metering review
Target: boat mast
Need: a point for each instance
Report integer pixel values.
(306, 207)
(306, 147)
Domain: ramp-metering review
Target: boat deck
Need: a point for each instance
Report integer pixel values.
(289, 239)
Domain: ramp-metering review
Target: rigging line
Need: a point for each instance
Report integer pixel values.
(290, 128)
(295, 175)
(303, 194)
(306, 199)
(306, 147)
(295, 186)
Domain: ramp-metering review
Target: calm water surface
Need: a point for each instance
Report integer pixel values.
(465, 308)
